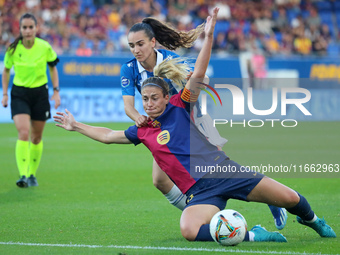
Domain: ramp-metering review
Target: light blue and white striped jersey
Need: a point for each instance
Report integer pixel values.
(133, 74)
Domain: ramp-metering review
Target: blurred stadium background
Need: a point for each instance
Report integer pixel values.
(254, 39)
(98, 27)
(86, 195)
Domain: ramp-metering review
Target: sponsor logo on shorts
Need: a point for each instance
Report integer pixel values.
(163, 137)
(190, 198)
(125, 82)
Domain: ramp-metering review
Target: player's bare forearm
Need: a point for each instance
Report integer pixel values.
(129, 107)
(100, 134)
(203, 58)
(132, 113)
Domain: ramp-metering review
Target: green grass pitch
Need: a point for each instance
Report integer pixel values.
(102, 197)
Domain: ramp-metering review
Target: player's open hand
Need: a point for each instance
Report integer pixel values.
(66, 120)
(211, 22)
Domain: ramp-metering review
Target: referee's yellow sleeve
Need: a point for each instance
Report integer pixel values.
(51, 54)
(8, 60)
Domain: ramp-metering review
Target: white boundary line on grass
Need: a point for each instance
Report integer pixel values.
(161, 248)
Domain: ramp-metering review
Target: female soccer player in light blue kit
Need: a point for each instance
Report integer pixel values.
(142, 39)
(168, 123)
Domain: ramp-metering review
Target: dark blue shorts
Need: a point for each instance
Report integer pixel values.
(216, 189)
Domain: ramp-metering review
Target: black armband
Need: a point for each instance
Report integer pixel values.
(53, 63)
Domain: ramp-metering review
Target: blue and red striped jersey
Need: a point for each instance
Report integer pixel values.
(176, 144)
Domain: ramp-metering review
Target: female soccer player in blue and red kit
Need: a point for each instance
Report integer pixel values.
(142, 39)
(178, 148)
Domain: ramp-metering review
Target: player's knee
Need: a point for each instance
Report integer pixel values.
(162, 185)
(188, 231)
(36, 139)
(291, 199)
(157, 183)
(23, 134)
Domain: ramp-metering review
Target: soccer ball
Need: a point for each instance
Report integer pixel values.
(228, 227)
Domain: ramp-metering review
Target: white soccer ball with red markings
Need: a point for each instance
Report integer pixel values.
(228, 227)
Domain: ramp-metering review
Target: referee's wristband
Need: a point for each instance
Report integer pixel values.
(5, 94)
(56, 89)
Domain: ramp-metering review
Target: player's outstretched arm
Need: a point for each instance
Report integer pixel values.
(100, 134)
(203, 58)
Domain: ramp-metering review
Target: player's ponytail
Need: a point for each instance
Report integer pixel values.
(12, 47)
(170, 37)
(176, 69)
(167, 36)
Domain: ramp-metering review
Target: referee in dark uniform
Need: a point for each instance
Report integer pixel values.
(30, 104)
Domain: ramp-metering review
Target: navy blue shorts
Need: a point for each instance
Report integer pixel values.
(31, 101)
(217, 188)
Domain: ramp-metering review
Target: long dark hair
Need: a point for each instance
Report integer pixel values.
(167, 36)
(12, 47)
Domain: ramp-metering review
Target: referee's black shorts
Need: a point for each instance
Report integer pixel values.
(31, 101)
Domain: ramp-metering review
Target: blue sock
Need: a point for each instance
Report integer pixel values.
(246, 237)
(204, 234)
(302, 209)
(275, 210)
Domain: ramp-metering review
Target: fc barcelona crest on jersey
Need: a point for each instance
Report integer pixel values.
(156, 124)
(163, 137)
